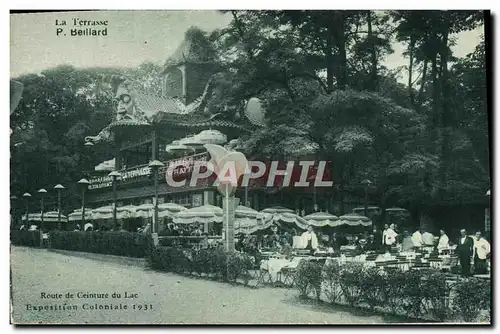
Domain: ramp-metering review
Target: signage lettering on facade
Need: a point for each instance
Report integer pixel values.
(176, 167)
(184, 165)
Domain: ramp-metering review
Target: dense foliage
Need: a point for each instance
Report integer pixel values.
(320, 77)
(421, 294)
(58, 109)
(209, 263)
(25, 238)
(113, 243)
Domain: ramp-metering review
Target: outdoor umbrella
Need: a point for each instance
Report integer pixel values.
(249, 220)
(176, 146)
(107, 165)
(201, 214)
(51, 216)
(191, 141)
(281, 215)
(211, 137)
(321, 219)
(361, 210)
(34, 216)
(127, 211)
(354, 220)
(397, 211)
(103, 212)
(277, 209)
(76, 215)
(169, 209)
(145, 210)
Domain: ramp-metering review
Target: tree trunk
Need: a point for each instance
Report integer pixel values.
(329, 59)
(422, 85)
(342, 58)
(435, 93)
(342, 195)
(410, 71)
(373, 51)
(445, 114)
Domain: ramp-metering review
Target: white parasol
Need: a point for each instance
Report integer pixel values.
(320, 219)
(103, 212)
(127, 211)
(169, 209)
(201, 214)
(76, 215)
(354, 220)
(277, 209)
(144, 210)
(211, 137)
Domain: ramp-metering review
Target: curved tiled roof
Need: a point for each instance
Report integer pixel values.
(213, 123)
(150, 105)
(128, 122)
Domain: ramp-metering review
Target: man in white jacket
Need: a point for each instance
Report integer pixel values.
(389, 237)
(481, 251)
(444, 241)
(309, 239)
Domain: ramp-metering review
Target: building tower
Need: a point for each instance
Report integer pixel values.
(188, 70)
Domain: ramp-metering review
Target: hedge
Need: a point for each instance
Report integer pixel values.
(209, 263)
(420, 294)
(113, 243)
(25, 238)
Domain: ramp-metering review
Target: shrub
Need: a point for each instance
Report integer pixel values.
(371, 286)
(470, 297)
(435, 292)
(412, 293)
(211, 262)
(113, 243)
(309, 277)
(238, 266)
(331, 281)
(350, 282)
(202, 262)
(25, 238)
(393, 291)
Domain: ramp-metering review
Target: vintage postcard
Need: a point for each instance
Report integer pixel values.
(250, 167)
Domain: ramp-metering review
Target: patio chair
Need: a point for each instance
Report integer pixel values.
(264, 277)
(288, 276)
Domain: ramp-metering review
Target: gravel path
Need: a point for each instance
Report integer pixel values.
(160, 298)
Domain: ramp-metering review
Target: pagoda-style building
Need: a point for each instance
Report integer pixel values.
(147, 127)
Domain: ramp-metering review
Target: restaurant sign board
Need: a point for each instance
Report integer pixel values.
(178, 167)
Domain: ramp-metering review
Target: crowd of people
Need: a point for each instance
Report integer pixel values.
(469, 249)
(473, 250)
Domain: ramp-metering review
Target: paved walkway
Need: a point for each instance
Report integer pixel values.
(163, 298)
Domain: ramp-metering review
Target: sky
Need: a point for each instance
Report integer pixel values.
(133, 37)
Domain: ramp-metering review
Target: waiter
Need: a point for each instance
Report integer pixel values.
(481, 252)
(389, 237)
(464, 249)
(309, 239)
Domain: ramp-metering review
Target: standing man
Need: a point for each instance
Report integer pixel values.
(481, 252)
(309, 239)
(464, 249)
(384, 232)
(377, 236)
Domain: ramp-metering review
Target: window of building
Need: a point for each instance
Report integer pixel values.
(174, 83)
